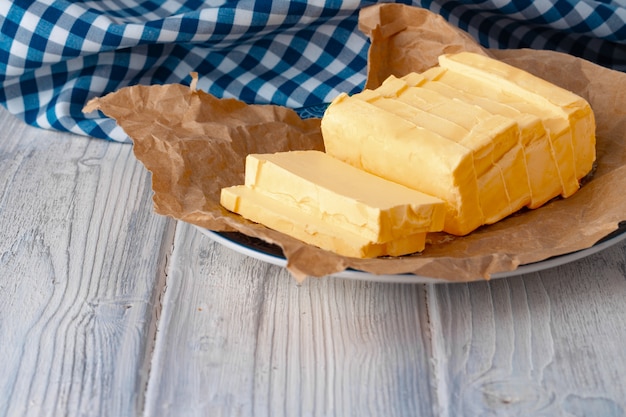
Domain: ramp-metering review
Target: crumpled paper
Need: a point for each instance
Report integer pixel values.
(194, 144)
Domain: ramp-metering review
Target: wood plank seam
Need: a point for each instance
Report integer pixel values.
(166, 250)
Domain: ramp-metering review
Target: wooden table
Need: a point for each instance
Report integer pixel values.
(107, 309)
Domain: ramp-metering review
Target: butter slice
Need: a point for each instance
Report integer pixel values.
(261, 208)
(344, 196)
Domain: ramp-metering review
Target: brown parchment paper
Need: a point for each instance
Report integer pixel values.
(194, 144)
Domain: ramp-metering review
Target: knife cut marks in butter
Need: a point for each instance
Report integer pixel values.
(492, 139)
(542, 168)
(567, 116)
(484, 136)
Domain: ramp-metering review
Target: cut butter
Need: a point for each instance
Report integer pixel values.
(485, 137)
(261, 208)
(397, 149)
(459, 146)
(542, 168)
(328, 203)
(492, 139)
(344, 196)
(567, 116)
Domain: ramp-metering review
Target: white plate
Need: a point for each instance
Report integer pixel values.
(266, 252)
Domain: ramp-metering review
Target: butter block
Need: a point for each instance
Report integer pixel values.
(261, 208)
(494, 139)
(485, 137)
(485, 191)
(344, 196)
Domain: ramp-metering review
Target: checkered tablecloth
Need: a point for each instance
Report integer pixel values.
(56, 55)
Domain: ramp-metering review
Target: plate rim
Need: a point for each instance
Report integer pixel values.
(407, 278)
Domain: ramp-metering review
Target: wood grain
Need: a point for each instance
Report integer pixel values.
(81, 269)
(543, 344)
(240, 337)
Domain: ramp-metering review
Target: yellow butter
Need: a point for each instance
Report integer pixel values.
(541, 165)
(461, 145)
(560, 133)
(390, 146)
(488, 142)
(568, 117)
(344, 196)
(261, 208)
(492, 138)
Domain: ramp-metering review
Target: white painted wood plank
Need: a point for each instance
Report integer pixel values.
(544, 344)
(238, 337)
(81, 268)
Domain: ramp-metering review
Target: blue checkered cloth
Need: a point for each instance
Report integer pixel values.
(56, 55)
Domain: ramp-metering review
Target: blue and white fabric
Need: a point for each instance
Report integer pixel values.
(56, 55)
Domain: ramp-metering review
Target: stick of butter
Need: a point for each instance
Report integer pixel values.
(492, 139)
(397, 149)
(485, 137)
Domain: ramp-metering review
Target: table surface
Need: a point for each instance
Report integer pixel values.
(107, 309)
